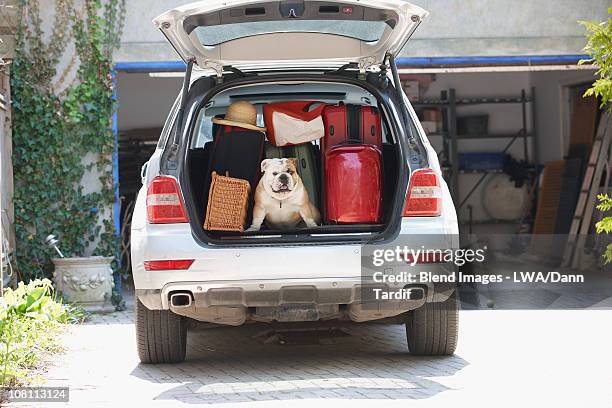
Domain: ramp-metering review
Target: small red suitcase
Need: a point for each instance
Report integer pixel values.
(355, 122)
(353, 184)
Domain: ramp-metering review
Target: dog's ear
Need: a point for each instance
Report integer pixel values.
(265, 164)
(293, 161)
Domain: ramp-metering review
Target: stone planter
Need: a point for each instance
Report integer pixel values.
(87, 282)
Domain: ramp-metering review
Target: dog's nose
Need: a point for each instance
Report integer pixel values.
(283, 178)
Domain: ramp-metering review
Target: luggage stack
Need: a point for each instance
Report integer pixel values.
(236, 155)
(343, 177)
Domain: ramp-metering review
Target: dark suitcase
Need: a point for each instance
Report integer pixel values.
(354, 122)
(389, 158)
(238, 152)
(353, 184)
(220, 130)
(308, 165)
(198, 163)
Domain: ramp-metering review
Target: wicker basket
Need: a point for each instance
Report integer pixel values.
(228, 201)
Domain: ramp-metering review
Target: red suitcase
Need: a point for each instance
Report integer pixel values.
(353, 184)
(355, 122)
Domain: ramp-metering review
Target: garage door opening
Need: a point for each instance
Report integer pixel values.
(494, 132)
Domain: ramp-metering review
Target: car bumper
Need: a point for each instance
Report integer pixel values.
(234, 302)
(232, 285)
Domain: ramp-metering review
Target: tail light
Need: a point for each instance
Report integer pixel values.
(424, 198)
(164, 202)
(168, 265)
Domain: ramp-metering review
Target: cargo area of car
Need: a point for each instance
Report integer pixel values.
(202, 148)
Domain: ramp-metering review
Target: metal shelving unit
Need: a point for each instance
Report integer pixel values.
(449, 103)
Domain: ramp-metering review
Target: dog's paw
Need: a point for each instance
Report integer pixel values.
(252, 229)
(311, 224)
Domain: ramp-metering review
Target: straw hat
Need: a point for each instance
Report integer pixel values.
(242, 114)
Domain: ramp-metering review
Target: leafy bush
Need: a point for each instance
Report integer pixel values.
(599, 47)
(31, 319)
(605, 225)
(62, 134)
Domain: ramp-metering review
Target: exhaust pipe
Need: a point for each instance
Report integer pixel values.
(180, 300)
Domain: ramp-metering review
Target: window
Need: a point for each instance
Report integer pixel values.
(169, 125)
(361, 30)
(203, 130)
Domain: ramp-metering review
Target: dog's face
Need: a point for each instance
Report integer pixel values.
(280, 177)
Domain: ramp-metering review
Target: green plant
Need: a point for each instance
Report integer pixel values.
(31, 320)
(599, 47)
(61, 137)
(605, 225)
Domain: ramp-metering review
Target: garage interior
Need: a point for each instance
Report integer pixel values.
(514, 142)
(144, 102)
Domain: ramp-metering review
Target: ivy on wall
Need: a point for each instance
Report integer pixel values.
(61, 137)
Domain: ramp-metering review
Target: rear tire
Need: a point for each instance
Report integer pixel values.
(432, 329)
(161, 336)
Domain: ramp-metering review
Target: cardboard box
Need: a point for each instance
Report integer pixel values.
(429, 127)
(411, 88)
(432, 115)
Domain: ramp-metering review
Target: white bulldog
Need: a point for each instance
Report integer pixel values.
(281, 198)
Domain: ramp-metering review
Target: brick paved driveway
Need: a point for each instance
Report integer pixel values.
(505, 358)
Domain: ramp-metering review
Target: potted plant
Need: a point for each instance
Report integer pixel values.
(85, 281)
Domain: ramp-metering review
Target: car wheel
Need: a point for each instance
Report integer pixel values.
(432, 329)
(161, 336)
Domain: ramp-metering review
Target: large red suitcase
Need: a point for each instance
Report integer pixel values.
(353, 184)
(351, 122)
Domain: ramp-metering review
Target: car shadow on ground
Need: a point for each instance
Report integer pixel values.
(256, 363)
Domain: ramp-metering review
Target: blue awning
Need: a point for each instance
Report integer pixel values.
(405, 62)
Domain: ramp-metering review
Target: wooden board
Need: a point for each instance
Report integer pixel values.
(543, 240)
(584, 120)
(549, 195)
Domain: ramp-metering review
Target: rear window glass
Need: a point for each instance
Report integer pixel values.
(361, 30)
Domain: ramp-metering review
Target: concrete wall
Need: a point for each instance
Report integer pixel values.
(454, 28)
(502, 27)
(8, 14)
(7, 216)
(8, 20)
